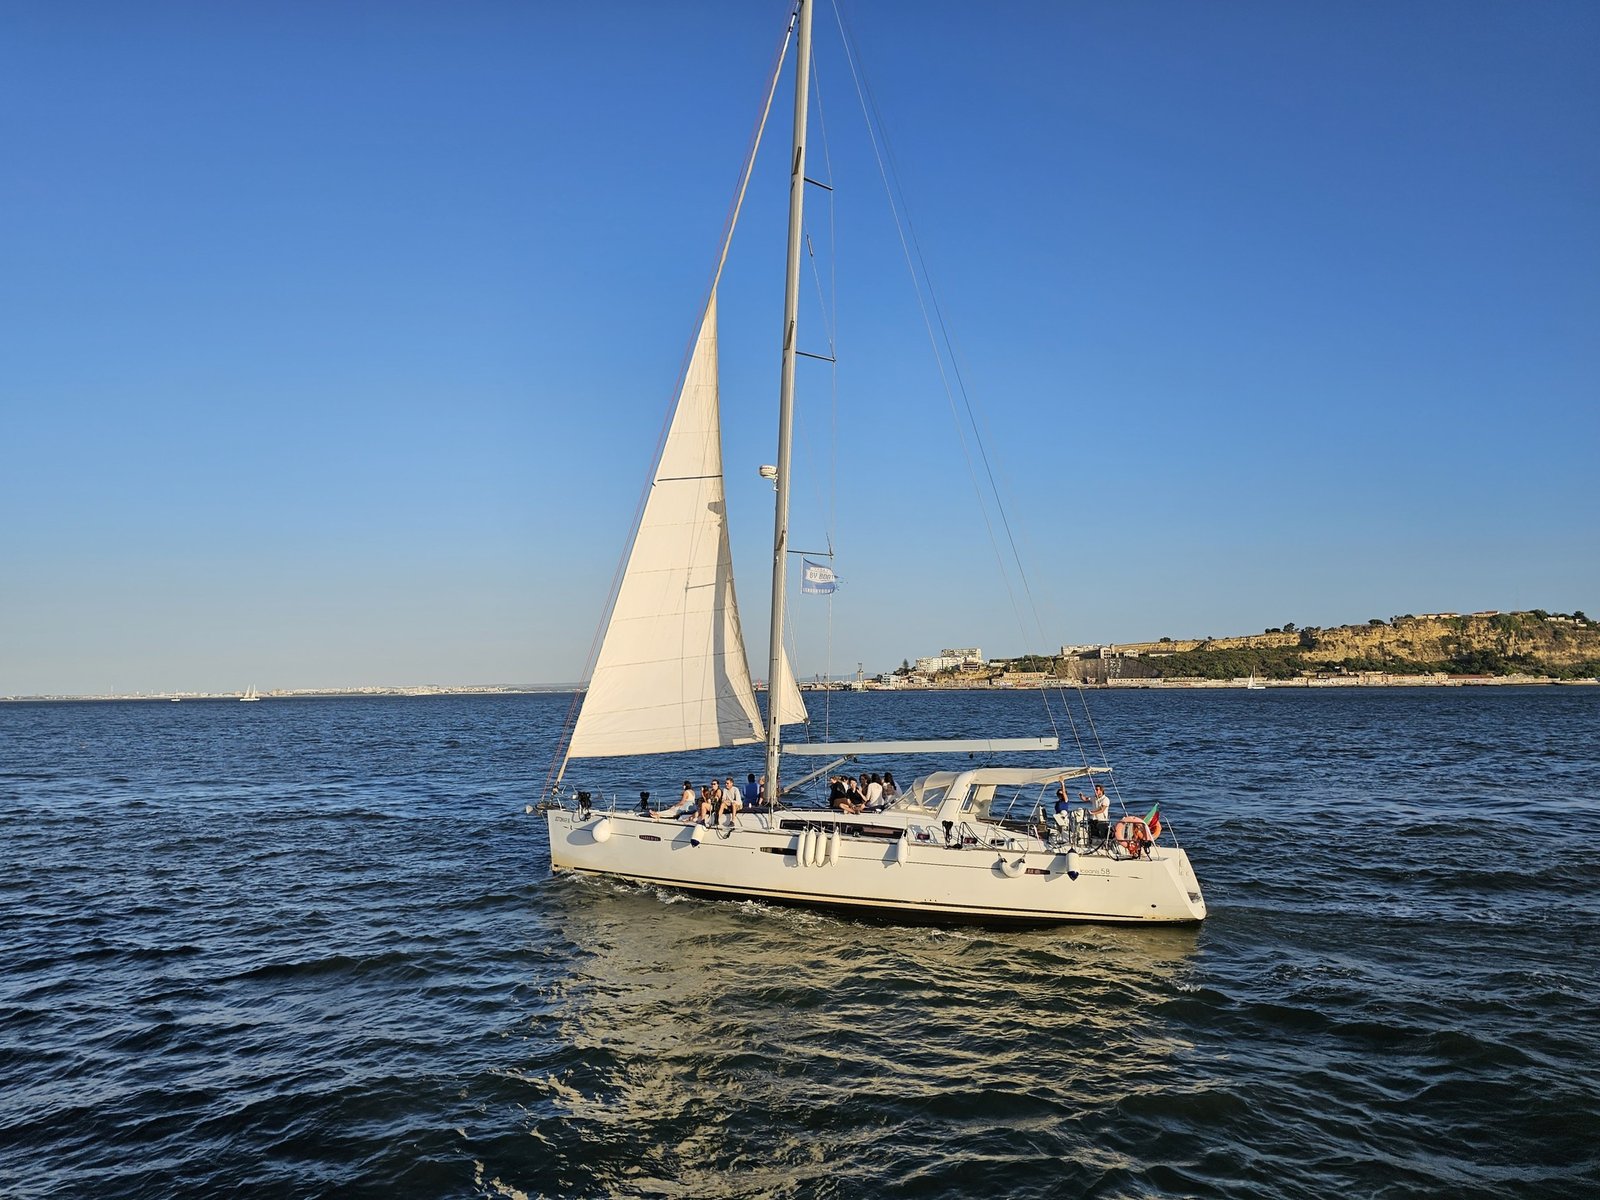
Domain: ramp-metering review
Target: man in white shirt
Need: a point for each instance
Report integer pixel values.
(1099, 813)
(730, 802)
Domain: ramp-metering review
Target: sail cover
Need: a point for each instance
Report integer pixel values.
(672, 672)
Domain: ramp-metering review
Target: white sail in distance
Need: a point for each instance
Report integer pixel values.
(672, 672)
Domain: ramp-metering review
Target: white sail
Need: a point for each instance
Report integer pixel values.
(784, 698)
(672, 672)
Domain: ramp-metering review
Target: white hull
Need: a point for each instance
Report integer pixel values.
(1022, 882)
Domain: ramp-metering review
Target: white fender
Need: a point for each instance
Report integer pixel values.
(697, 834)
(807, 840)
(899, 850)
(600, 831)
(819, 848)
(1012, 870)
(833, 846)
(1072, 864)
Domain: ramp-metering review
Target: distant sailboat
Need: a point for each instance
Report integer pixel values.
(1253, 686)
(249, 696)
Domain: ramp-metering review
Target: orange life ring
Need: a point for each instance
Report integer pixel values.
(1133, 835)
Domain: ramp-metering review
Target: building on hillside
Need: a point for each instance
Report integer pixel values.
(964, 658)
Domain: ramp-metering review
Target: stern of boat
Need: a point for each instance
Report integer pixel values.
(1186, 896)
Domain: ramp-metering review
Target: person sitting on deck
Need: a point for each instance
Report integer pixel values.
(839, 798)
(685, 805)
(729, 801)
(752, 791)
(855, 793)
(874, 797)
(890, 788)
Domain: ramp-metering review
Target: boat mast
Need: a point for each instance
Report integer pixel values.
(791, 306)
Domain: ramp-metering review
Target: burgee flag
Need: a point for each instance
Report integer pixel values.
(817, 579)
(1154, 821)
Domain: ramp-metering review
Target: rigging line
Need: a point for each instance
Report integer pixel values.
(1022, 573)
(822, 124)
(558, 762)
(1083, 700)
(926, 278)
(804, 426)
(833, 338)
(875, 128)
(917, 284)
(829, 306)
(829, 320)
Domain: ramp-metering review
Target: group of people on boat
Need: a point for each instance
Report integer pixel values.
(714, 801)
(869, 793)
(709, 804)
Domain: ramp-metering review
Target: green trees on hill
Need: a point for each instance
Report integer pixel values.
(1281, 662)
(1520, 643)
(1289, 663)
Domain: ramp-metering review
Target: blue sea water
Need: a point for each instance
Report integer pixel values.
(313, 948)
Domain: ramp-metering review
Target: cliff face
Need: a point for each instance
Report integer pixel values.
(1486, 643)
(1551, 643)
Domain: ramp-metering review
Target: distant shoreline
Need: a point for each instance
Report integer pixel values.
(1130, 685)
(1241, 685)
(306, 694)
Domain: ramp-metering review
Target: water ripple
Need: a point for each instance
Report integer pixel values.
(314, 949)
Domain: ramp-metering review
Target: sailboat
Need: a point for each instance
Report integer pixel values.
(1253, 685)
(672, 676)
(249, 696)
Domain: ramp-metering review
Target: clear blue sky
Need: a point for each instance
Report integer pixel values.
(335, 338)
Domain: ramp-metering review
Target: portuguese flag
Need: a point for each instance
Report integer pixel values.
(1154, 821)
